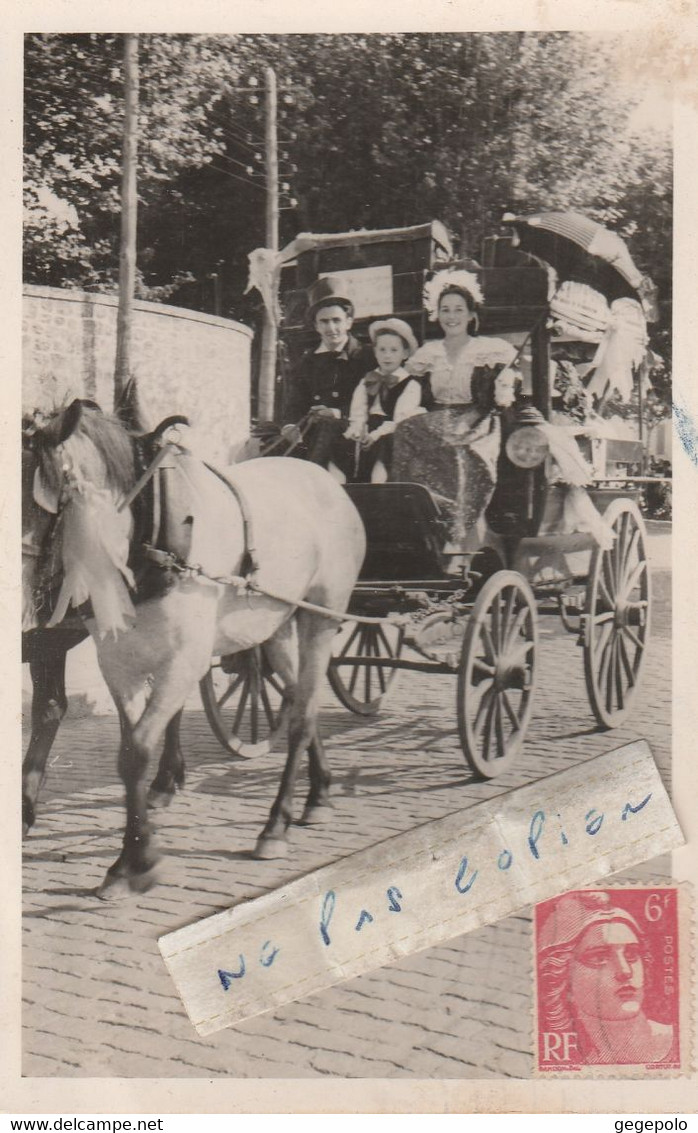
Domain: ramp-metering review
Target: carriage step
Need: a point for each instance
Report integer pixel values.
(536, 544)
(571, 603)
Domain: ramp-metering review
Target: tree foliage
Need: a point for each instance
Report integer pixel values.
(383, 130)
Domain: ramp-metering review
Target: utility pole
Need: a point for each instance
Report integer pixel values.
(129, 208)
(267, 371)
(641, 374)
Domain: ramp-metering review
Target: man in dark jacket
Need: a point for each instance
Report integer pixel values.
(326, 377)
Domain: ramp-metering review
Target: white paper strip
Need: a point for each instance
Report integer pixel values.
(422, 888)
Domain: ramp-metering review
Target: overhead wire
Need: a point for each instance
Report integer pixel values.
(235, 176)
(239, 134)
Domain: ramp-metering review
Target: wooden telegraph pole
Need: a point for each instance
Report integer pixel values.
(129, 208)
(267, 371)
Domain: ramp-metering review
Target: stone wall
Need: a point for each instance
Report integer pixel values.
(184, 361)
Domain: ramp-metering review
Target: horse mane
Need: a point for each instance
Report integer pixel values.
(114, 444)
(110, 439)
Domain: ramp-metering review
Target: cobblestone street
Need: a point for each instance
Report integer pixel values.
(98, 1000)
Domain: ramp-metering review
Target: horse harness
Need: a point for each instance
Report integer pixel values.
(159, 541)
(174, 563)
(161, 537)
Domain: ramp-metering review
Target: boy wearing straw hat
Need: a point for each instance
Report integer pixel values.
(383, 398)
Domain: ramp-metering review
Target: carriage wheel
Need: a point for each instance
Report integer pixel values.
(496, 676)
(617, 616)
(364, 688)
(243, 698)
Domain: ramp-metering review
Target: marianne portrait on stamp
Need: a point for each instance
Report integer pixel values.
(593, 975)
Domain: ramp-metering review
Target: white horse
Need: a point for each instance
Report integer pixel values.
(308, 543)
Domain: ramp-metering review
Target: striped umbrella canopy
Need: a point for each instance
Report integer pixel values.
(582, 250)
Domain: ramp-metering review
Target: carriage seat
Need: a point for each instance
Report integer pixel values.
(405, 530)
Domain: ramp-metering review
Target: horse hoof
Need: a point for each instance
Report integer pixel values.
(119, 887)
(159, 800)
(268, 848)
(28, 817)
(316, 815)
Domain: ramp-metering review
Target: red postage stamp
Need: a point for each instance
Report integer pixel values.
(608, 967)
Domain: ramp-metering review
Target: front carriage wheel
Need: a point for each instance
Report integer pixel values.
(358, 673)
(243, 700)
(617, 616)
(496, 676)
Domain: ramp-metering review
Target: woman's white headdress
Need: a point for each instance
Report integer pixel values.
(463, 280)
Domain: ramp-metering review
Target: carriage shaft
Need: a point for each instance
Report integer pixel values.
(394, 663)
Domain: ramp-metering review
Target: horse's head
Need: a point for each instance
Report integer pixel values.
(85, 466)
(77, 448)
(40, 535)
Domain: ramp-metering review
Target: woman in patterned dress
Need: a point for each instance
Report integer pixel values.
(453, 450)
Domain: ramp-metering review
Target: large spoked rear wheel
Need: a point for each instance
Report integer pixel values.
(358, 674)
(617, 616)
(496, 677)
(243, 701)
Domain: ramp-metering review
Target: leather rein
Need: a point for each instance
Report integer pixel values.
(250, 562)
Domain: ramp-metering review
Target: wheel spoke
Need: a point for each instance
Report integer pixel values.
(607, 574)
(275, 684)
(509, 607)
(618, 550)
(254, 718)
(617, 616)
(487, 694)
(266, 703)
(489, 726)
(635, 576)
(629, 551)
(516, 627)
(499, 724)
(604, 593)
(517, 654)
(254, 704)
(620, 691)
(368, 652)
(390, 652)
(380, 674)
(240, 708)
(231, 690)
(610, 675)
(358, 628)
(489, 644)
(244, 718)
(353, 679)
(495, 614)
(510, 710)
(600, 640)
(605, 659)
(496, 679)
(626, 662)
(637, 641)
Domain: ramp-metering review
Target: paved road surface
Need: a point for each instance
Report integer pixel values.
(97, 998)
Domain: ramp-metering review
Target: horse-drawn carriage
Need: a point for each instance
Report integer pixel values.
(216, 562)
(556, 282)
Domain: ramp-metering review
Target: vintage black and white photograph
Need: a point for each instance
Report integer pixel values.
(346, 505)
